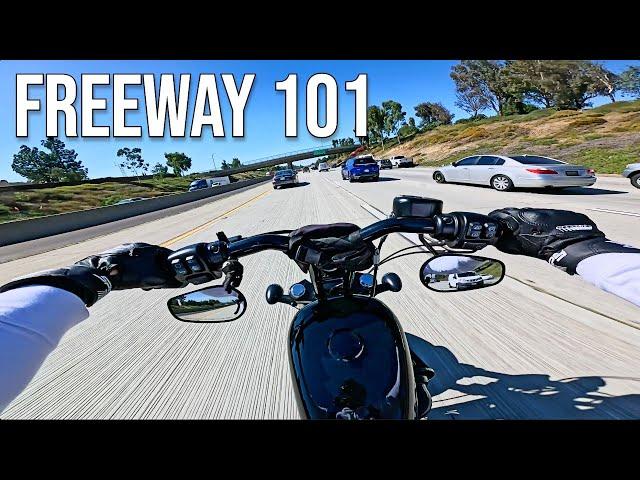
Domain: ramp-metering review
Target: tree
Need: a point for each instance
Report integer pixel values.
(629, 82)
(159, 170)
(133, 160)
(57, 165)
(235, 163)
(486, 79)
(605, 80)
(561, 84)
(376, 123)
(433, 114)
(471, 100)
(225, 165)
(179, 162)
(393, 117)
(408, 128)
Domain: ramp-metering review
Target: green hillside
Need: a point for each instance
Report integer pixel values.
(48, 201)
(605, 138)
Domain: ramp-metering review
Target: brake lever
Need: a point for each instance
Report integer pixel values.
(233, 271)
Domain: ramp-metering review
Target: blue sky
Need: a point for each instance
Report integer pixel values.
(409, 82)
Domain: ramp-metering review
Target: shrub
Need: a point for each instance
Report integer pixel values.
(587, 121)
(473, 133)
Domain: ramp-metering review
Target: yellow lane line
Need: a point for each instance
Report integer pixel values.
(204, 226)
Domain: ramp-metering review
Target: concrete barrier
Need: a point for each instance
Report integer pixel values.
(23, 230)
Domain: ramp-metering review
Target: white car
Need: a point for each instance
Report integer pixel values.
(401, 161)
(503, 173)
(463, 280)
(632, 172)
(323, 167)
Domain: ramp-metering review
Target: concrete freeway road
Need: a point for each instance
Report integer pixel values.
(539, 345)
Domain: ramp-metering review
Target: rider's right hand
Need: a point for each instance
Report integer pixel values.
(561, 237)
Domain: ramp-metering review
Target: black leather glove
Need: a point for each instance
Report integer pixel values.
(135, 265)
(561, 237)
(132, 265)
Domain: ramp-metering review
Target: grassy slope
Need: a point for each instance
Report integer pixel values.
(605, 138)
(47, 201)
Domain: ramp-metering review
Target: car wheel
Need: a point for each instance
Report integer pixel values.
(502, 183)
(635, 180)
(439, 177)
(350, 179)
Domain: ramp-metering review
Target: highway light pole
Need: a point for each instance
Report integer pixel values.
(214, 161)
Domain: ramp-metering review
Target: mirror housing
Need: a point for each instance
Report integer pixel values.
(208, 305)
(455, 272)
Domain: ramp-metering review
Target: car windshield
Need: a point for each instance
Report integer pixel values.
(284, 172)
(198, 183)
(467, 274)
(364, 161)
(535, 160)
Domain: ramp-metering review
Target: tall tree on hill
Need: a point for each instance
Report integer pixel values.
(393, 117)
(59, 164)
(471, 100)
(562, 84)
(605, 80)
(376, 123)
(159, 170)
(432, 114)
(486, 79)
(133, 160)
(629, 82)
(179, 162)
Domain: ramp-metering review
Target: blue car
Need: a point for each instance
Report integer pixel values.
(361, 168)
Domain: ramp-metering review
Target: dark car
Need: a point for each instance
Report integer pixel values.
(385, 163)
(361, 168)
(284, 177)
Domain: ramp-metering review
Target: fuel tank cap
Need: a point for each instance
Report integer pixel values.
(345, 345)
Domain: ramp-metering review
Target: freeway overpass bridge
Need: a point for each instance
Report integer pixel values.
(287, 158)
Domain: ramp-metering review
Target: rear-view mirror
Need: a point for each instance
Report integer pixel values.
(208, 305)
(454, 273)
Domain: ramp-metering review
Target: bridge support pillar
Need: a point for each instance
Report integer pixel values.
(290, 165)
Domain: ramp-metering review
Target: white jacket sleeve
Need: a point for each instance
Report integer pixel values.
(617, 273)
(33, 319)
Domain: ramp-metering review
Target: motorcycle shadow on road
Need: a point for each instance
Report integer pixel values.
(472, 393)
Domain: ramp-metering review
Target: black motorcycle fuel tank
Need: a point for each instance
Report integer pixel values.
(350, 360)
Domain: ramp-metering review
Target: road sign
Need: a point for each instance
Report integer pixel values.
(319, 152)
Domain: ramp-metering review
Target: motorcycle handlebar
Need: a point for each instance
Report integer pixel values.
(458, 229)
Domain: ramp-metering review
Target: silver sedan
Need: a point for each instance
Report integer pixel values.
(503, 173)
(632, 172)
